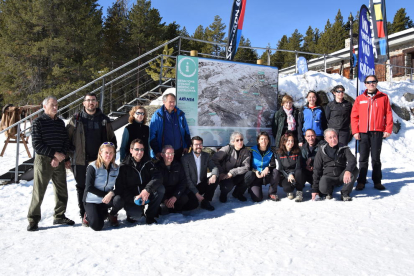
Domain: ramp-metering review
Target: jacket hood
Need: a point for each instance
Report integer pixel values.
(340, 147)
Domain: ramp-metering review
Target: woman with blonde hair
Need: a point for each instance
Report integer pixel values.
(135, 129)
(99, 193)
(285, 119)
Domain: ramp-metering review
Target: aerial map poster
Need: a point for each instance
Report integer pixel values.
(219, 97)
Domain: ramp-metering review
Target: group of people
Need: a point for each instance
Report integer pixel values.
(167, 170)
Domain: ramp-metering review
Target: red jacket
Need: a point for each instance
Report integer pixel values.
(373, 112)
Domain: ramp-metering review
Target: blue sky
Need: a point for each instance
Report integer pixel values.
(266, 21)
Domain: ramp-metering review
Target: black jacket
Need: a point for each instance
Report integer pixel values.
(288, 164)
(140, 131)
(174, 179)
(306, 153)
(279, 124)
(324, 165)
(338, 115)
(133, 177)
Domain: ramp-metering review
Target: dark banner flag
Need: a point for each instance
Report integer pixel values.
(235, 29)
(379, 25)
(366, 64)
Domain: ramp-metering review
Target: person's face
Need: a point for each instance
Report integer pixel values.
(311, 99)
(51, 107)
(290, 143)
(238, 142)
(90, 103)
(197, 146)
(371, 86)
(263, 141)
(339, 95)
(331, 138)
(168, 156)
(107, 153)
(169, 103)
(310, 137)
(139, 115)
(288, 105)
(137, 151)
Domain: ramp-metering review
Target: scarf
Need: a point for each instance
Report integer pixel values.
(290, 119)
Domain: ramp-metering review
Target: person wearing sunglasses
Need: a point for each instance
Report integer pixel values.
(87, 130)
(338, 114)
(99, 193)
(371, 121)
(139, 179)
(135, 129)
(233, 162)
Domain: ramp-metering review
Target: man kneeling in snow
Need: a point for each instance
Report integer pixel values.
(334, 165)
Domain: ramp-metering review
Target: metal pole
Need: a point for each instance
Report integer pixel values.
(179, 46)
(102, 95)
(16, 170)
(324, 61)
(391, 73)
(411, 75)
(296, 62)
(162, 64)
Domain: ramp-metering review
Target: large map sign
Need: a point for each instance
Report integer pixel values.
(220, 97)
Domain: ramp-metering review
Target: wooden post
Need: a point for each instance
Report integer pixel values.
(259, 61)
(193, 53)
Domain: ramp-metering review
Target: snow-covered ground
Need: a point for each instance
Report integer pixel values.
(372, 235)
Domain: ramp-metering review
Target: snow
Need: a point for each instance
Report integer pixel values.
(372, 235)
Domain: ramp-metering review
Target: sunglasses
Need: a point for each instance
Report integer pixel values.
(339, 91)
(140, 113)
(239, 140)
(369, 82)
(109, 143)
(139, 149)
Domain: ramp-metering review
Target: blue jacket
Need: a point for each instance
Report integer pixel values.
(157, 130)
(311, 118)
(259, 162)
(99, 182)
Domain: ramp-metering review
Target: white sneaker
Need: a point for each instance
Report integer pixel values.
(290, 196)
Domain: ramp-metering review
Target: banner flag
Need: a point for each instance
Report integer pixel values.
(366, 64)
(302, 65)
(235, 29)
(379, 25)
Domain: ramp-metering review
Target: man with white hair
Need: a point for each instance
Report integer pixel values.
(169, 126)
(51, 143)
(334, 165)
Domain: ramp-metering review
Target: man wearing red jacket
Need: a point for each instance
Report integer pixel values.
(371, 121)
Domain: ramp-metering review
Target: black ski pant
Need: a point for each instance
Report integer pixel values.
(237, 181)
(79, 172)
(185, 202)
(192, 202)
(344, 136)
(97, 213)
(135, 211)
(370, 142)
(328, 183)
(290, 187)
(256, 183)
(207, 190)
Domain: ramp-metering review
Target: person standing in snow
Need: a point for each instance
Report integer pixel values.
(334, 165)
(50, 142)
(285, 119)
(312, 116)
(87, 130)
(371, 121)
(338, 115)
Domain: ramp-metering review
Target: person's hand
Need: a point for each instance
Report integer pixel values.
(258, 174)
(291, 178)
(308, 161)
(144, 195)
(185, 150)
(212, 179)
(265, 172)
(223, 176)
(229, 175)
(314, 196)
(347, 177)
(108, 197)
(357, 136)
(199, 197)
(300, 144)
(170, 202)
(386, 135)
(309, 168)
(68, 165)
(54, 163)
(59, 156)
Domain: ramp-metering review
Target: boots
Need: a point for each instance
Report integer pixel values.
(113, 220)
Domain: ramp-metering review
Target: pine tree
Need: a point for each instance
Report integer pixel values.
(339, 33)
(294, 43)
(310, 42)
(215, 33)
(244, 54)
(185, 43)
(278, 58)
(324, 41)
(154, 68)
(50, 47)
(201, 47)
(401, 22)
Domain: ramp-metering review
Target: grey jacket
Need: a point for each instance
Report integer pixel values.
(227, 162)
